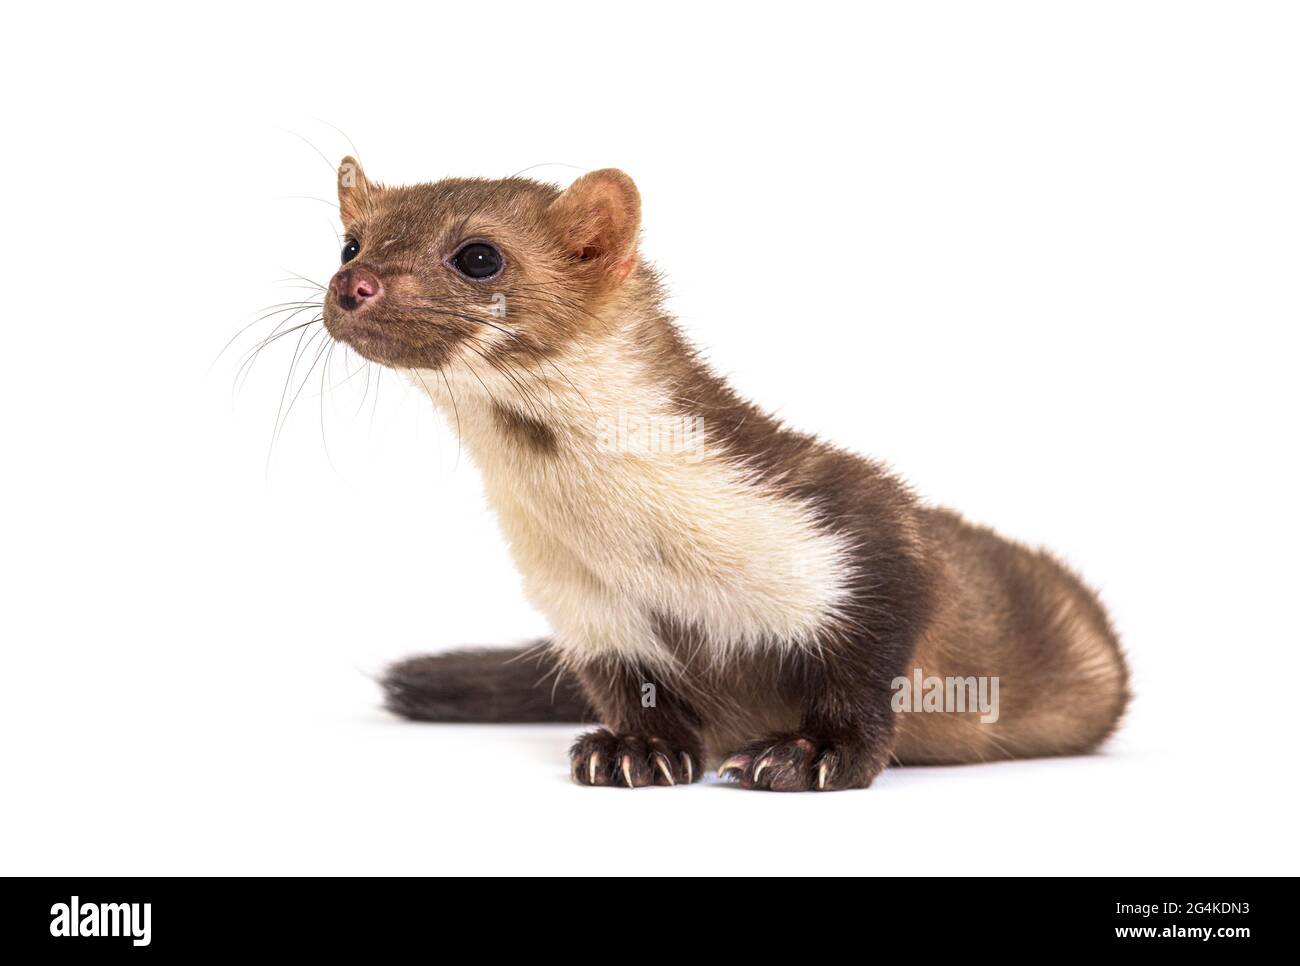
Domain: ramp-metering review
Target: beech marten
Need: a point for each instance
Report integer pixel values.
(721, 588)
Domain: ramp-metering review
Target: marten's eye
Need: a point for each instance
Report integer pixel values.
(350, 251)
(477, 260)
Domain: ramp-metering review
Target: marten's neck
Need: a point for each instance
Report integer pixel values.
(623, 389)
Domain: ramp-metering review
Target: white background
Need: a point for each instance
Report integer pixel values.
(1041, 258)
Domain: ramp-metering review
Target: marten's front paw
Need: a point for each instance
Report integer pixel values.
(630, 761)
(799, 763)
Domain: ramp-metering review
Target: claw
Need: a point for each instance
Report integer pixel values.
(763, 763)
(592, 764)
(690, 768)
(734, 763)
(822, 771)
(662, 764)
(627, 770)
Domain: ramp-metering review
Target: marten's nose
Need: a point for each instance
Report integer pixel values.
(353, 287)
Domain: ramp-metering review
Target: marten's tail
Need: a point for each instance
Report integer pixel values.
(520, 684)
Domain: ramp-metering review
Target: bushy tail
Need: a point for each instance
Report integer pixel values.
(522, 684)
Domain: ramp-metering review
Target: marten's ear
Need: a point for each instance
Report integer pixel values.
(598, 218)
(354, 190)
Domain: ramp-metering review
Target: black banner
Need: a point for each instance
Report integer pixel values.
(920, 918)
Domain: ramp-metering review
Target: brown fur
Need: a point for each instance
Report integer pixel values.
(518, 686)
(924, 588)
(524, 429)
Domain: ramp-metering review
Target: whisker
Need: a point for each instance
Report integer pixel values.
(324, 371)
(246, 368)
(325, 344)
(455, 409)
(269, 312)
(330, 164)
(323, 201)
(284, 393)
(304, 278)
(355, 153)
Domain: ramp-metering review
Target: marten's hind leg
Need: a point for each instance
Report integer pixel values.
(1075, 692)
(1022, 622)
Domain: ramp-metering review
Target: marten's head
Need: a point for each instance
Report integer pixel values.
(467, 268)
